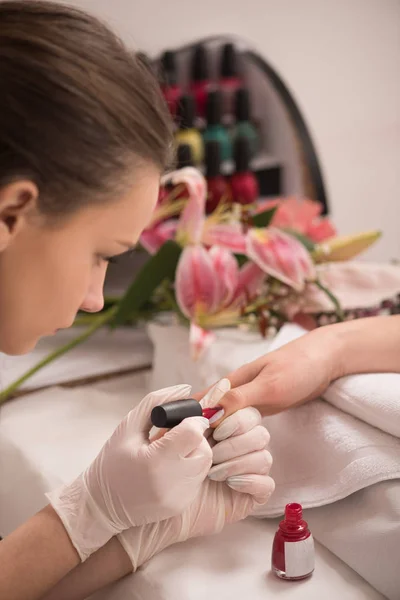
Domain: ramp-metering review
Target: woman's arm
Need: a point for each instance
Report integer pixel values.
(35, 557)
(107, 565)
(304, 368)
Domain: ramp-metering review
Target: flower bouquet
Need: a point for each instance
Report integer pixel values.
(252, 267)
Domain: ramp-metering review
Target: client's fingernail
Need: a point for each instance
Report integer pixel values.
(217, 416)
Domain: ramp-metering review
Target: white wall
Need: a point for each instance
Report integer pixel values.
(341, 59)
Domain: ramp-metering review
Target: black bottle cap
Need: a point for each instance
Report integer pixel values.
(214, 108)
(168, 68)
(213, 158)
(186, 112)
(242, 105)
(200, 71)
(184, 156)
(241, 153)
(171, 414)
(229, 64)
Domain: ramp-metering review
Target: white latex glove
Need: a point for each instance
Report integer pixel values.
(133, 481)
(242, 458)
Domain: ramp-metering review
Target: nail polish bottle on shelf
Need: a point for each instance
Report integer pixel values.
(169, 81)
(217, 186)
(200, 79)
(187, 133)
(244, 183)
(244, 127)
(215, 130)
(230, 80)
(184, 158)
(293, 553)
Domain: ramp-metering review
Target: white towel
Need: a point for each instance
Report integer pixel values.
(322, 454)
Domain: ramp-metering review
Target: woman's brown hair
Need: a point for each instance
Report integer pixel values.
(79, 112)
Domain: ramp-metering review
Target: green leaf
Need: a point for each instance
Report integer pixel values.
(303, 239)
(241, 259)
(159, 267)
(263, 219)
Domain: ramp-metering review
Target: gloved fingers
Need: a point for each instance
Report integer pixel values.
(255, 439)
(216, 393)
(261, 487)
(211, 399)
(258, 462)
(184, 439)
(140, 417)
(239, 422)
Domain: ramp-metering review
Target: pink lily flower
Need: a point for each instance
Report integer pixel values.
(193, 226)
(301, 215)
(153, 238)
(280, 255)
(211, 289)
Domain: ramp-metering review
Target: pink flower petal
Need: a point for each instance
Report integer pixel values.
(229, 236)
(227, 270)
(152, 239)
(251, 278)
(193, 215)
(320, 230)
(196, 283)
(200, 340)
(281, 256)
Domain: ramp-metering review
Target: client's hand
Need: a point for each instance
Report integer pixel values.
(297, 372)
(240, 457)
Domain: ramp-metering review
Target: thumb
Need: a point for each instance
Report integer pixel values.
(249, 394)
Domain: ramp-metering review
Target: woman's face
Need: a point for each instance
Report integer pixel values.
(48, 273)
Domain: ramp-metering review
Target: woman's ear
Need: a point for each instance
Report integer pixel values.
(17, 199)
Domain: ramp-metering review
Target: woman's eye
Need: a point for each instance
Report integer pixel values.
(100, 260)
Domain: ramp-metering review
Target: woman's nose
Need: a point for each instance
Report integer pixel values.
(94, 299)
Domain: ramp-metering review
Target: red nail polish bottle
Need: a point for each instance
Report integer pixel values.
(217, 186)
(169, 84)
(200, 83)
(244, 183)
(293, 548)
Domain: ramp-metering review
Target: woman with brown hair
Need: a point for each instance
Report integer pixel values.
(84, 138)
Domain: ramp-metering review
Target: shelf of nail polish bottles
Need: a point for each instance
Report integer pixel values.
(228, 67)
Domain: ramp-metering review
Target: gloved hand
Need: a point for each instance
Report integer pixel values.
(133, 481)
(240, 457)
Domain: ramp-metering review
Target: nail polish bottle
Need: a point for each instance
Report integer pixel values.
(187, 133)
(170, 414)
(217, 186)
(230, 80)
(169, 81)
(184, 159)
(293, 554)
(244, 183)
(200, 81)
(215, 130)
(244, 127)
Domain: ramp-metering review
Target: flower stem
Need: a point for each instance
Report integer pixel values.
(99, 322)
(332, 297)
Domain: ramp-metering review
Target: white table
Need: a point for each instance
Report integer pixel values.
(48, 437)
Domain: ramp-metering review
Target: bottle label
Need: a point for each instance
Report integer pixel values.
(299, 557)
